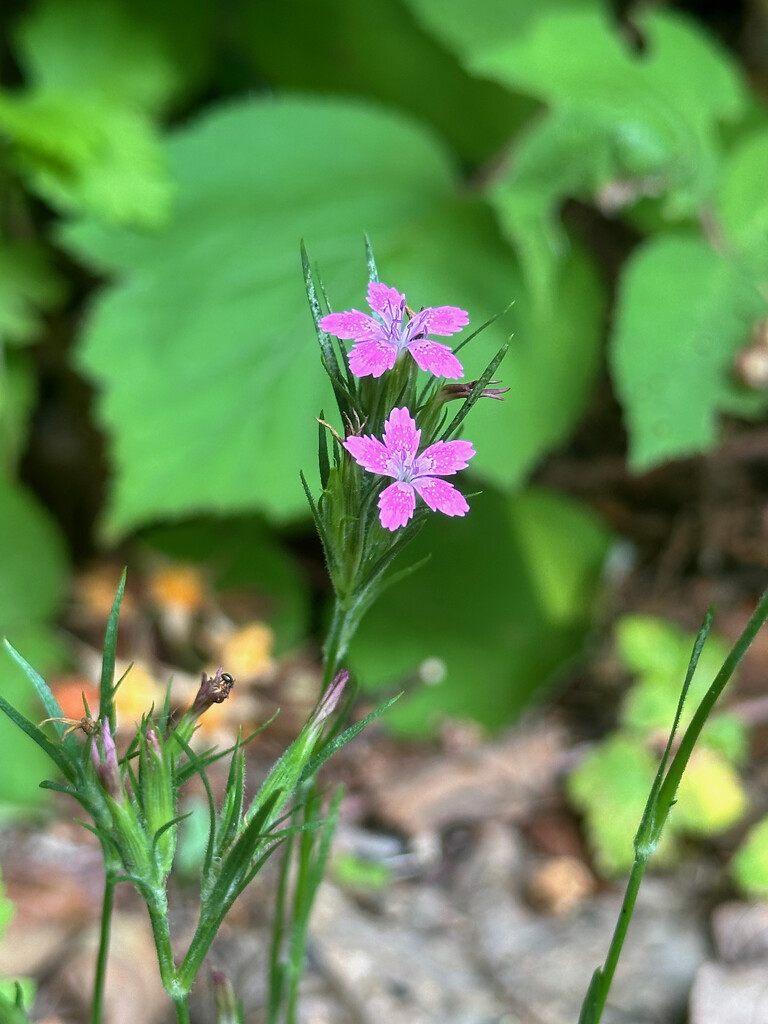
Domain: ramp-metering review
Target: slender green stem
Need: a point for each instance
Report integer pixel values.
(276, 966)
(336, 642)
(107, 905)
(620, 933)
(182, 1009)
(176, 988)
(304, 898)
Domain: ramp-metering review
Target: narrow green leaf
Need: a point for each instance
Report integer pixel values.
(199, 770)
(373, 270)
(482, 327)
(324, 339)
(106, 706)
(322, 451)
(312, 767)
(590, 1008)
(651, 823)
(320, 527)
(669, 787)
(55, 753)
(43, 691)
(476, 394)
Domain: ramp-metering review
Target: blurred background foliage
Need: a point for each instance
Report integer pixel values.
(600, 167)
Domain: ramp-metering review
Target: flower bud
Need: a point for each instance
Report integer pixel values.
(224, 998)
(463, 390)
(330, 699)
(104, 757)
(157, 796)
(213, 690)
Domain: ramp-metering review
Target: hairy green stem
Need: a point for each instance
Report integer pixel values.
(182, 1009)
(336, 642)
(176, 988)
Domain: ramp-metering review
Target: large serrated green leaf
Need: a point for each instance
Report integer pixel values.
(204, 351)
(495, 609)
(683, 312)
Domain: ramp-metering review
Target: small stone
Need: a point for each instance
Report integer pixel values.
(560, 884)
(740, 931)
(724, 994)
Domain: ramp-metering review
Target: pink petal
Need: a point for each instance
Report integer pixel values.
(369, 452)
(436, 358)
(352, 324)
(397, 503)
(443, 320)
(386, 301)
(371, 358)
(444, 458)
(401, 435)
(441, 496)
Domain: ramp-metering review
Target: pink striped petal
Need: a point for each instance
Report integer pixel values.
(441, 496)
(401, 435)
(444, 458)
(372, 357)
(436, 358)
(352, 324)
(388, 302)
(369, 452)
(396, 503)
(442, 320)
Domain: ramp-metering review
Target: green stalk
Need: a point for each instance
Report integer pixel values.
(336, 642)
(107, 904)
(276, 966)
(181, 1008)
(602, 979)
(662, 798)
(177, 989)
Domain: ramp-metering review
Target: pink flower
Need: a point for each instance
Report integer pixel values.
(414, 474)
(381, 338)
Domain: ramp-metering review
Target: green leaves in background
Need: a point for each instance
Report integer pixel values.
(749, 866)
(711, 797)
(742, 203)
(368, 46)
(502, 603)
(621, 124)
(32, 578)
(81, 132)
(684, 311)
(205, 342)
(83, 154)
(148, 55)
(610, 788)
(8, 1011)
(28, 286)
(241, 553)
